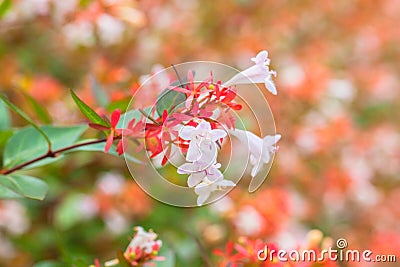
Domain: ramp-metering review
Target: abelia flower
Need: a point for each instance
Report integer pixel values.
(225, 95)
(115, 116)
(143, 240)
(198, 171)
(142, 249)
(206, 187)
(202, 139)
(261, 149)
(192, 90)
(258, 73)
(230, 258)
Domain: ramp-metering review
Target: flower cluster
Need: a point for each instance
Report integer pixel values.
(198, 127)
(142, 250)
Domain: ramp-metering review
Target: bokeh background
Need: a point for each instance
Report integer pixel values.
(338, 166)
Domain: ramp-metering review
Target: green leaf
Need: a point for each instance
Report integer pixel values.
(16, 185)
(101, 97)
(49, 264)
(5, 120)
(27, 144)
(29, 120)
(4, 7)
(42, 113)
(4, 136)
(88, 111)
(168, 100)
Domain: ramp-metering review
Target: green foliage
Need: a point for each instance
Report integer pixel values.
(41, 112)
(4, 7)
(49, 264)
(5, 120)
(26, 117)
(27, 144)
(168, 100)
(88, 111)
(16, 185)
(66, 214)
(4, 136)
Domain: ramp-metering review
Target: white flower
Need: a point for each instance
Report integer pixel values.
(110, 29)
(202, 141)
(79, 33)
(261, 149)
(249, 221)
(144, 240)
(198, 171)
(259, 73)
(206, 187)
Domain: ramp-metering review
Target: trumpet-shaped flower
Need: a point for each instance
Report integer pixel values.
(143, 240)
(258, 73)
(202, 141)
(206, 187)
(261, 149)
(198, 171)
(141, 251)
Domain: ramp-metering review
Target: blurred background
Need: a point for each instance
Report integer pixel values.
(338, 166)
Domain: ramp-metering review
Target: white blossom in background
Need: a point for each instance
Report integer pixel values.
(62, 8)
(13, 217)
(144, 241)
(88, 207)
(249, 221)
(116, 222)
(258, 73)
(261, 149)
(291, 74)
(222, 206)
(110, 29)
(31, 8)
(7, 249)
(111, 183)
(341, 89)
(79, 33)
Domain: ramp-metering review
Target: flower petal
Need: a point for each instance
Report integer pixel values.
(204, 126)
(269, 84)
(187, 132)
(193, 153)
(195, 178)
(109, 142)
(261, 57)
(115, 116)
(228, 183)
(217, 134)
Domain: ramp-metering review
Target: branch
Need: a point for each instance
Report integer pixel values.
(52, 154)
